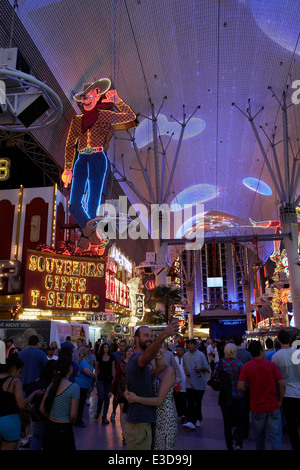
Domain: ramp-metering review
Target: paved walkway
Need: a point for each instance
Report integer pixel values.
(210, 436)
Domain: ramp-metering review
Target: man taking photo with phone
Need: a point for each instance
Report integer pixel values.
(139, 418)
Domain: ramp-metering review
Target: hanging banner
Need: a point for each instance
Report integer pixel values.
(20, 331)
(57, 282)
(175, 273)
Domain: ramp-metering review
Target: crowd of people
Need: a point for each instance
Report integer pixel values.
(156, 384)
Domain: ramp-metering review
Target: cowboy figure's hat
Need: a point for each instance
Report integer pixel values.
(103, 85)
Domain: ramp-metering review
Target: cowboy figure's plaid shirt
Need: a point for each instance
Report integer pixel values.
(100, 133)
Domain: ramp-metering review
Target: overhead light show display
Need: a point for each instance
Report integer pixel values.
(144, 135)
(273, 25)
(258, 186)
(196, 194)
(211, 221)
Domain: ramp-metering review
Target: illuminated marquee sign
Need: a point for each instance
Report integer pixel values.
(120, 259)
(56, 282)
(116, 291)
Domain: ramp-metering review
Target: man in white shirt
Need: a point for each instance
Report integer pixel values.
(180, 390)
(287, 360)
(196, 366)
(212, 354)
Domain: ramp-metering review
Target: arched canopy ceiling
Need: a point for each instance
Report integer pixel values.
(205, 53)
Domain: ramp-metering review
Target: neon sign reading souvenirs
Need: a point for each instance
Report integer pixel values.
(62, 283)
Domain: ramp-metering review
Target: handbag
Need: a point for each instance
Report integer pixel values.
(220, 383)
(218, 378)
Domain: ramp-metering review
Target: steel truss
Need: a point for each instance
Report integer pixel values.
(32, 149)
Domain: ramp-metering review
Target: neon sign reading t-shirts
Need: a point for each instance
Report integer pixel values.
(60, 282)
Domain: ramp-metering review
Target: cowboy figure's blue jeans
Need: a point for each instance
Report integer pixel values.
(91, 173)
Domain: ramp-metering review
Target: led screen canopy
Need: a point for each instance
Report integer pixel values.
(274, 25)
(258, 186)
(144, 134)
(196, 194)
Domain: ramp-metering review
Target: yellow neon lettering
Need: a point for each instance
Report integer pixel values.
(77, 301)
(32, 263)
(69, 298)
(68, 267)
(59, 266)
(49, 282)
(74, 282)
(50, 301)
(60, 299)
(76, 268)
(95, 303)
(91, 269)
(100, 270)
(4, 169)
(82, 285)
(64, 282)
(41, 264)
(86, 300)
(34, 296)
(83, 266)
(49, 265)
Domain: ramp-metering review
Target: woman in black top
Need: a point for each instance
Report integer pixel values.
(105, 371)
(12, 401)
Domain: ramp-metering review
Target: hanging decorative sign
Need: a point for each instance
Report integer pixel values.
(56, 282)
(140, 306)
(149, 282)
(174, 272)
(117, 329)
(89, 135)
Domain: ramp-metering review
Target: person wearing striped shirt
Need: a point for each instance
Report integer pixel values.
(60, 405)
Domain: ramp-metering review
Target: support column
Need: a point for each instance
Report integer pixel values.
(247, 296)
(190, 299)
(289, 224)
(161, 250)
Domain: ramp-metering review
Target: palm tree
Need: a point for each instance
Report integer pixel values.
(167, 296)
(153, 317)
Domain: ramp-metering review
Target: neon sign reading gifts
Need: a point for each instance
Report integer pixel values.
(60, 282)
